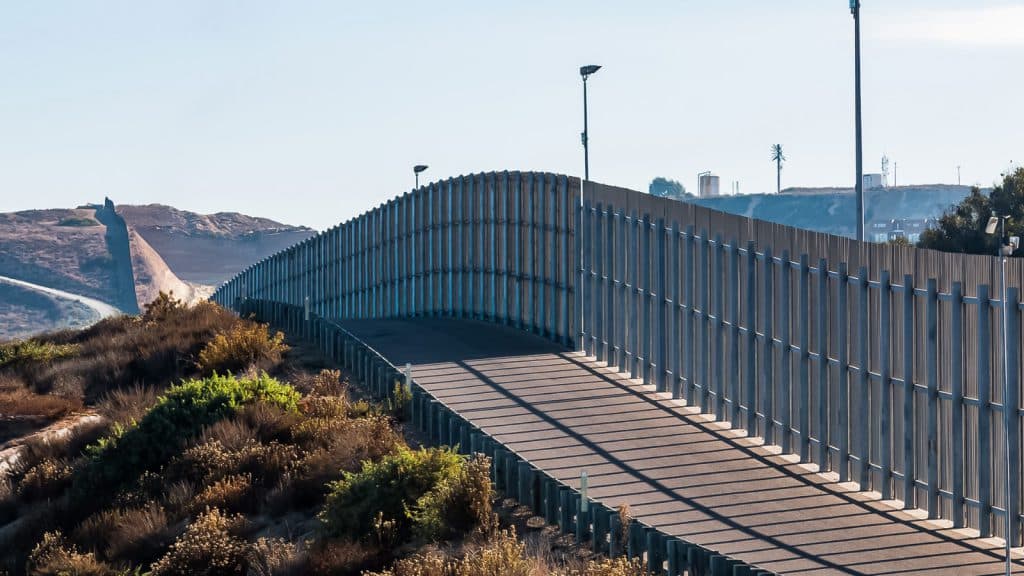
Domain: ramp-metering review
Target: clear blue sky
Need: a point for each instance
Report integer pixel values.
(311, 112)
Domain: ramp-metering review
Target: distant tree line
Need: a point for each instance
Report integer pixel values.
(665, 188)
(962, 227)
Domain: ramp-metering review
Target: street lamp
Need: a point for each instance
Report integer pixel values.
(585, 72)
(855, 10)
(416, 170)
(1009, 421)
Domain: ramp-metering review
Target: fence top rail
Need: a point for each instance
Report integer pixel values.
(692, 222)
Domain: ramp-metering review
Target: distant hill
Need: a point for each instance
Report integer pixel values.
(209, 249)
(39, 247)
(833, 210)
(124, 256)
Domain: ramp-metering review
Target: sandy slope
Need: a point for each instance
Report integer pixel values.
(152, 275)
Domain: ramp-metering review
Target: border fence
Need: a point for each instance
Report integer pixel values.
(890, 366)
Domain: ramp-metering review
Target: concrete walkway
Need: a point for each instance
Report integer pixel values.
(676, 469)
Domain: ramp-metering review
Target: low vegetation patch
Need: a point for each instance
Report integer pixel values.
(389, 490)
(34, 351)
(241, 346)
(176, 417)
(505, 555)
(78, 222)
(236, 471)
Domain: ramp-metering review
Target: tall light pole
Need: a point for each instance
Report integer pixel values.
(1009, 413)
(585, 72)
(416, 170)
(855, 10)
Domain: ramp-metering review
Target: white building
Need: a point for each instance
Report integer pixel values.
(872, 181)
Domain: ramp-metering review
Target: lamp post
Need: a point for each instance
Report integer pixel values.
(855, 10)
(585, 72)
(1009, 421)
(416, 170)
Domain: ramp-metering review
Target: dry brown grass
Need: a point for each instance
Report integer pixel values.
(44, 480)
(625, 519)
(233, 493)
(203, 463)
(342, 557)
(269, 423)
(275, 557)
(24, 402)
(505, 555)
(324, 383)
(231, 433)
(53, 556)
(126, 405)
(178, 496)
(211, 545)
(118, 353)
(138, 534)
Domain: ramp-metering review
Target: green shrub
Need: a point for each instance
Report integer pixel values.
(458, 504)
(243, 345)
(34, 351)
(178, 415)
(78, 222)
(391, 486)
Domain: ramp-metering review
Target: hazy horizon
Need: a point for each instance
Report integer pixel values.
(311, 113)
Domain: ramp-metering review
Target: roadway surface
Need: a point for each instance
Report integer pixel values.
(102, 308)
(676, 469)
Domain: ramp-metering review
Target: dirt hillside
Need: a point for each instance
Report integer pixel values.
(149, 249)
(209, 249)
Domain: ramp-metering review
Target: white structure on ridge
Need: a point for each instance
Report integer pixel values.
(708, 186)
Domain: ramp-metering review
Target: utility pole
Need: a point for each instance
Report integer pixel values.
(855, 9)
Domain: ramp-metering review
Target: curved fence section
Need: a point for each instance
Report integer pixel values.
(894, 367)
(494, 246)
